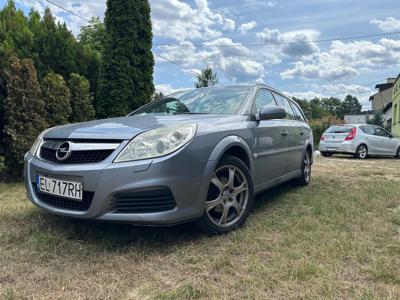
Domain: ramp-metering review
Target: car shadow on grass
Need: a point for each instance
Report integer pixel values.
(53, 231)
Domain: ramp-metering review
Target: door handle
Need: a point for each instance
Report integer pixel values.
(301, 132)
(284, 133)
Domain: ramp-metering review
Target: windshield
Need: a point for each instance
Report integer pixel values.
(216, 100)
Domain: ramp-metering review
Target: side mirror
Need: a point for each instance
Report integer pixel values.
(271, 113)
(391, 135)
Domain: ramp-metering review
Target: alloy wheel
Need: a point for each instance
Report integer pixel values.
(228, 196)
(362, 152)
(307, 167)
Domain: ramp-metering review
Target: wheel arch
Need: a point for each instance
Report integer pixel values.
(235, 146)
(232, 144)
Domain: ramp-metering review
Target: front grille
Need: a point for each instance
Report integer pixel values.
(144, 201)
(63, 203)
(77, 157)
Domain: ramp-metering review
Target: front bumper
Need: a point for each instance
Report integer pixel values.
(185, 176)
(344, 147)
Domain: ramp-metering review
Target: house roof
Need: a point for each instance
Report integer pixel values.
(383, 86)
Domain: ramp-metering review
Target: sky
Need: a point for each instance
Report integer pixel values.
(304, 70)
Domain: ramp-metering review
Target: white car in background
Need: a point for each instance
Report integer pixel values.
(359, 140)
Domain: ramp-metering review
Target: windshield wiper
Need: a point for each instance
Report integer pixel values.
(191, 113)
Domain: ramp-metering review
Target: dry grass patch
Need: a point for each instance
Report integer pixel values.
(337, 238)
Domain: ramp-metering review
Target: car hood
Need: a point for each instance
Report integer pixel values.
(125, 128)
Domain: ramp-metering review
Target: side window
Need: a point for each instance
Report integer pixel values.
(368, 129)
(282, 101)
(381, 132)
(264, 98)
(297, 113)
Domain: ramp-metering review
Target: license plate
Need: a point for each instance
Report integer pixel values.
(59, 187)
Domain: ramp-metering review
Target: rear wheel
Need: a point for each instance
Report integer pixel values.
(361, 152)
(398, 153)
(326, 154)
(305, 178)
(229, 199)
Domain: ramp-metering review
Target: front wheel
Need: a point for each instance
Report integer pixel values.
(229, 199)
(397, 153)
(361, 152)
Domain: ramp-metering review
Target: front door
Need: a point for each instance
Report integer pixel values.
(383, 142)
(270, 148)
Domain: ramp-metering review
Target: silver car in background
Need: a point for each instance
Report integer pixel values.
(359, 140)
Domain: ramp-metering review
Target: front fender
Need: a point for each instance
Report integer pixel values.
(216, 155)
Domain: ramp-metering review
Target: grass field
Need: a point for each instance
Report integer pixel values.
(338, 238)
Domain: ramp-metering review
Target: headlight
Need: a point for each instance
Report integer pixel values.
(157, 142)
(37, 143)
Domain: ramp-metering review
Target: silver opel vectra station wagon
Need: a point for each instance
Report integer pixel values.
(199, 155)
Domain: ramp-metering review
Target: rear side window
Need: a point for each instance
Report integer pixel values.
(282, 101)
(264, 98)
(340, 129)
(368, 129)
(297, 113)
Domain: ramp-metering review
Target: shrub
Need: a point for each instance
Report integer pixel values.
(23, 113)
(55, 95)
(81, 100)
(319, 126)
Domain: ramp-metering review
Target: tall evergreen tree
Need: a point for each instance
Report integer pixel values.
(127, 71)
(55, 95)
(81, 100)
(23, 112)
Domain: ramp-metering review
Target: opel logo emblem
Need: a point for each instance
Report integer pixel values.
(63, 151)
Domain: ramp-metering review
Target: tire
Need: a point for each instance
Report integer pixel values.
(229, 199)
(326, 154)
(361, 152)
(305, 177)
(397, 153)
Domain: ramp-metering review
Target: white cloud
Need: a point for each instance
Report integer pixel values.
(167, 89)
(259, 3)
(247, 26)
(236, 62)
(302, 47)
(319, 71)
(179, 21)
(345, 60)
(389, 25)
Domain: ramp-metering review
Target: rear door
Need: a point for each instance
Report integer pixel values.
(270, 148)
(294, 144)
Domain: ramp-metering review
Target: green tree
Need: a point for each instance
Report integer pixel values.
(350, 105)
(331, 105)
(81, 100)
(55, 95)
(127, 71)
(23, 113)
(93, 35)
(313, 109)
(15, 39)
(377, 119)
(206, 78)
